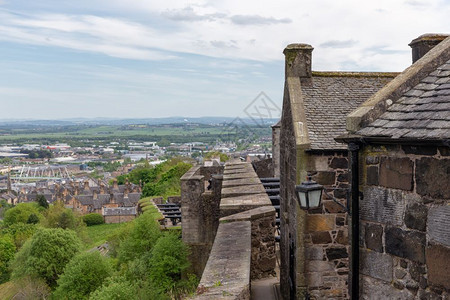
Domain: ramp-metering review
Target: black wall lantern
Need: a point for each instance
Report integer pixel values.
(309, 194)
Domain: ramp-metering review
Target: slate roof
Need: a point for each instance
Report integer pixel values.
(333, 95)
(119, 211)
(421, 113)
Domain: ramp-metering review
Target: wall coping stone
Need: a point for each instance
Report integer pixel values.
(249, 215)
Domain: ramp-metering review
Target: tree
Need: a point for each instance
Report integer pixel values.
(46, 254)
(116, 288)
(7, 251)
(20, 213)
(20, 233)
(168, 260)
(57, 216)
(142, 238)
(42, 201)
(82, 275)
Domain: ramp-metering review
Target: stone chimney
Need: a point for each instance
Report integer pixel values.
(298, 59)
(102, 188)
(86, 185)
(115, 185)
(424, 43)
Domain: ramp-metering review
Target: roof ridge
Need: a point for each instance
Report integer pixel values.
(353, 74)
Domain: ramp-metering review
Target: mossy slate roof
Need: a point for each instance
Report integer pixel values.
(422, 113)
(331, 97)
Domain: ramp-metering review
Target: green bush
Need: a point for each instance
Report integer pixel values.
(141, 239)
(82, 275)
(168, 260)
(116, 288)
(46, 254)
(93, 219)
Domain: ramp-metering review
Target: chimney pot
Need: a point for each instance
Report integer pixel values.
(424, 43)
(298, 59)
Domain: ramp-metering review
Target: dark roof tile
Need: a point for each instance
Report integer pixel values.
(328, 100)
(418, 115)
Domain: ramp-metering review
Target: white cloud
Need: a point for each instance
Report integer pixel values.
(220, 29)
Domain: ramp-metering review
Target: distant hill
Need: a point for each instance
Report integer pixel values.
(150, 121)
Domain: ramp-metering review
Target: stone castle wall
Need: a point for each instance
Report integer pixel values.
(200, 213)
(326, 240)
(405, 222)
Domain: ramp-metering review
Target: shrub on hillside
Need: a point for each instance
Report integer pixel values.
(117, 288)
(7, 250)
(93, 219)
(82, 275)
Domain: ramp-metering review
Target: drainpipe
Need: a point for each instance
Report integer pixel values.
(354, 152)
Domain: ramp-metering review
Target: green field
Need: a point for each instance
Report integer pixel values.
(103, 134)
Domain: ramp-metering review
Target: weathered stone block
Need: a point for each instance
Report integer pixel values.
(343, 177)
(406, 244)
(314, 279)
(382, 205)
(416, 270)
(325, 178)
(375, 289)
(416, 216)
(396, 173)
(438, 261)
(376, 265)
(333, 207)
(319, 266)
(372, 175)
(336, 253)
(439, 224)
(373, 237)
(320, 223)
(342, 192)
(314, 253)
(432, 177)
(342, 237)
(339, 163)
(321, 237)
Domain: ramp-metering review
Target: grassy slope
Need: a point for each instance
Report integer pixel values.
(98, 234)
(8, 290)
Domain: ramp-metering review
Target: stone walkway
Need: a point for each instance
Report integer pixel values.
(267, 288)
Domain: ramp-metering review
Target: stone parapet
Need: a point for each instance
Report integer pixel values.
(263, 239)
(227, 272)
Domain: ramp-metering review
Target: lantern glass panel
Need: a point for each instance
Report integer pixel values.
(314, 198)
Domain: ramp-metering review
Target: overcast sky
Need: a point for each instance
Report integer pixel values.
(147, 58)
